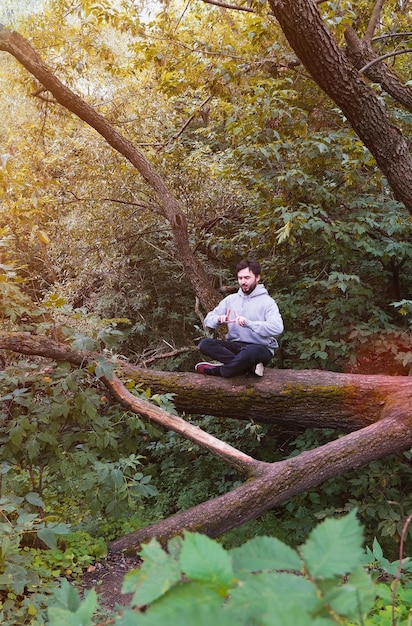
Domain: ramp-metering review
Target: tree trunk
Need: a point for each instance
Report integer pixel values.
(301, 398)
(377, 408)
(314, 45)
(278, 482)
(360, 54)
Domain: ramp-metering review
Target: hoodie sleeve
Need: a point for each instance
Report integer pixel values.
(271, 325)
(211, 319)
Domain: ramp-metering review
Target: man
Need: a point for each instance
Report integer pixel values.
(253, 321)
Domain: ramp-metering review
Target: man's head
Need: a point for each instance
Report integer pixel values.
(248, 275)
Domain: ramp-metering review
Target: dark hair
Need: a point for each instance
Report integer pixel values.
(254, 266)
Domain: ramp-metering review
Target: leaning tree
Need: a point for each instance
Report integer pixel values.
(375, 412)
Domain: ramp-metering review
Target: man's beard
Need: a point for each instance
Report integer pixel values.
(249, 290)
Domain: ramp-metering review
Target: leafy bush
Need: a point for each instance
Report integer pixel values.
(264, 581)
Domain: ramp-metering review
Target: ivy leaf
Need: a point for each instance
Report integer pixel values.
(334, 547)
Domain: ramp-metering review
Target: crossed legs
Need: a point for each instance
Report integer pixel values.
(237, 357)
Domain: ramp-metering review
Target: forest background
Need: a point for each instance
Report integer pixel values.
(265, 165)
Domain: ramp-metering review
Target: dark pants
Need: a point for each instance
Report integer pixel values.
(237, 357)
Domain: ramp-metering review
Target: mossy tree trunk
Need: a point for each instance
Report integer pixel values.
(375, 411)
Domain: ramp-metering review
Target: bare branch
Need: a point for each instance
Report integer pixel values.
(186, 124)
(384, 56)
(224, 5)
(374, 19)
(364, 59)
(167, 355)
(391, 36)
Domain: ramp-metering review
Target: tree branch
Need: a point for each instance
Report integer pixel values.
(240, 461)
(364, 59)
(186, 124)
(319, 52)
(22, 51)
(384, 56)
(281, 481)
(234, 7)
(374, 19)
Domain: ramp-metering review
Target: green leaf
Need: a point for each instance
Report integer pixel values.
(48, 536)
(334, 547)
(265, 553)
(205, 560)
(34, 499)
(185, 598)
(355, 598)
(87, 608)
(104, 370)
(157, 575)
(172, 615)
(67, 597)
(63, 617)
(269, 594)
(294, 616)
(117, 477)
(76, 613)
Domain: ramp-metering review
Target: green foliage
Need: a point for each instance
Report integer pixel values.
(386, 483)
(23, 591)
(69, 610)
(267, 168)
(67, 455)
(261, 582)
(270, 169)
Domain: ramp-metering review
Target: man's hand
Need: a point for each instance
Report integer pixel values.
(239, 319)
(225, 319)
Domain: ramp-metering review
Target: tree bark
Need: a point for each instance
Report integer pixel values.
(360, 54)
(378, 409)
(278, 482)
(170, 208)
(316, 48)
(291, 398)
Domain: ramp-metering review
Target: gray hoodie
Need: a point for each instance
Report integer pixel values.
(263, 319)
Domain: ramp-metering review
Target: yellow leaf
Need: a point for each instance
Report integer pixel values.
(283, 233)
(32, 610)
(43, 236)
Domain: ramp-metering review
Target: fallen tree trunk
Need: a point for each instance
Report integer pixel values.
(304, 398)
(278, 482)
(377, 408)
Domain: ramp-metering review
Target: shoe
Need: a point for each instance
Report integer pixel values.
(205, 368)
(259, 369)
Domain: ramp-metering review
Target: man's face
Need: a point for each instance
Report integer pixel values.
(247, 280)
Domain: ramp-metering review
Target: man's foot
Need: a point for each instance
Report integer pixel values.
(259, 369)
(206, 368)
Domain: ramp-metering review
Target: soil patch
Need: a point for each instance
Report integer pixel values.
(106, 577)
